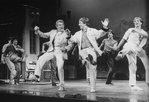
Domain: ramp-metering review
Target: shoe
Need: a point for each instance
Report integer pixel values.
(136, 88)
(17, 83)
(93, 90)
(54, 84)
(110, 84)
(61, 88)
(119, 56)
(11, 82)
(33, 78)
(91, 60)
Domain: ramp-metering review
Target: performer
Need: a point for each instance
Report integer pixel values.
(133, 47)
(13, 60)
(58, 39)
(4, 48)
(109, 46)
(87, 45)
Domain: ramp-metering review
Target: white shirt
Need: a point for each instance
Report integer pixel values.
(132, 37)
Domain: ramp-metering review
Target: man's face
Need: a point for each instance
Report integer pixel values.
(15, 41)
(60, 26)
(110, 35)
(81, 25)
(137, 22)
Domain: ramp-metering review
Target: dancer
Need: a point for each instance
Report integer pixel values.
(4, 48)
(109, 46)
(87, 45)
(58, 39)
(131, 48)
(13, 61)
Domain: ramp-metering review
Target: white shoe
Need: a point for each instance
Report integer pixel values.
(136, 88)
(61, 88)
(93, 90)
(11, 82)
(33, 78)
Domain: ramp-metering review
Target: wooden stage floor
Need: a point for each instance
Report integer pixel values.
(79, 89)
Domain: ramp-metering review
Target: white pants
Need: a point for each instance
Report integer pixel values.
(131, 52)
(145, 60)
(91, 69)
(48, 56)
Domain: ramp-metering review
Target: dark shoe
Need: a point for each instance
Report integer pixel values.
(54, 84)
(111, 84)
(119, 56)
(90, 58)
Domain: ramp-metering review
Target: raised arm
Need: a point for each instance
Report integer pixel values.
(100, 33)
(41, 34)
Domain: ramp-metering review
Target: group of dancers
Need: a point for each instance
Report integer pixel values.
(61, 41)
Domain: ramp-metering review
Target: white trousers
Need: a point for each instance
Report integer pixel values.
(59, 61)
(131, 52)
(145, 60)
(91, 69)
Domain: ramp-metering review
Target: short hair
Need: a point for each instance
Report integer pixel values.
(110, 30)
(139, 19)
(85, 20)
(59, 21)
(14, 38)
(10, 38)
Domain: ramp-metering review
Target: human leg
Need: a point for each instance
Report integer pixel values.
(18, 69)
(110, 63)
(53, 71)
(40, 63)
(60, 63)
(145, 60)
(11, 67)
(92, 70)
(132, 71)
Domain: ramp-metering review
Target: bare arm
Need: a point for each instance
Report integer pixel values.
(120, 43)
(102, 44)
(113, 47)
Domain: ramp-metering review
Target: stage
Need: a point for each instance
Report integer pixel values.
(76, 90)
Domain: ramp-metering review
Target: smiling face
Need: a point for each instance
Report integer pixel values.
(81, 25)
(60, 25)
(137, 22)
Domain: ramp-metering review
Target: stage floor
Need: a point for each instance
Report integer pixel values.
(79, 89)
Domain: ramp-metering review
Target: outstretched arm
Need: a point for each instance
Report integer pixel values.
(120, 44)
(41, 34)
(102, 44)
(114, 47)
